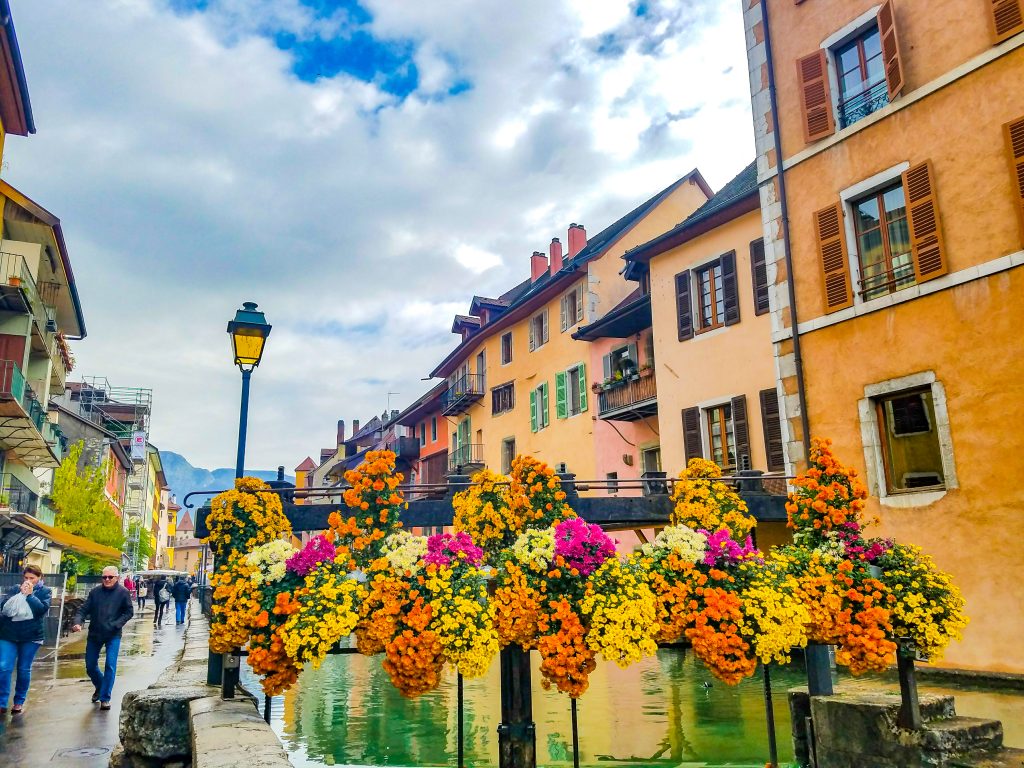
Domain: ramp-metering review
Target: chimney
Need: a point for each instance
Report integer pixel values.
(341, 431)
(555, 249)
(577, 239)
(394, 413)
(538, 266)
(355, 427)
(280, 473)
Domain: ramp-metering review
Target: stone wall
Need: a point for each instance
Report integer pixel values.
(181, 721)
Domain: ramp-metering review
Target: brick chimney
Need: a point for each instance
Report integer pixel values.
(355, 427)
(538, 266)
(577, 239)
(341, 431)
(555, 249)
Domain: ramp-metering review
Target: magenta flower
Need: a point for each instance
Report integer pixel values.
(445, 549)
(724, 551)
(582, 546)
(317, 550)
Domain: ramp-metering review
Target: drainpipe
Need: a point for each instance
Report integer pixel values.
(788, 253)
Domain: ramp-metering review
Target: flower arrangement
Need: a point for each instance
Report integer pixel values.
(701, 502)
(318, 550)
(268, 561)
(375, 503)
(484, 512)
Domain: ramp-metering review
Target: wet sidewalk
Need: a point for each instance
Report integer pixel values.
(61, 727)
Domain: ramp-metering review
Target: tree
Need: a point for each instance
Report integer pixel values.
(81, 505)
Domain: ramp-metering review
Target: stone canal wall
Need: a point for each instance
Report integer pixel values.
(181, 721)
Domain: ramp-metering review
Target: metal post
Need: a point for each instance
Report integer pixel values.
(769, 717)
(459, 730)
(819, 670)
(229, 682)
(575, 736)
(517, 738)
(910, 705)
(243, 419)
(266, 708)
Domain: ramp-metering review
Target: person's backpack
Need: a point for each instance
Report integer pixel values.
(164, 595)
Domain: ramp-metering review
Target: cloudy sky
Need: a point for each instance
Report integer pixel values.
(360, 169)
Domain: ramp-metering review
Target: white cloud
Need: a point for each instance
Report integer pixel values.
(192, 170)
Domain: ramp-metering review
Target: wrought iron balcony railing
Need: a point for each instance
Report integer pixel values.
(863, 104)
(16, 496)
(629, 400)
(464, 458)
(466, 390)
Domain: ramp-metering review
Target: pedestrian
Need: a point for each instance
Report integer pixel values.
(23, 612)
(142, 590)
(161, 598)
(108, 608)
(129, 585)
(182, 592)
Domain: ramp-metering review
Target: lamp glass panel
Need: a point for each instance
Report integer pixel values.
(248, 344)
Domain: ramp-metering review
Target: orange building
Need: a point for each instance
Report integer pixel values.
(303, 478)
(893, 240)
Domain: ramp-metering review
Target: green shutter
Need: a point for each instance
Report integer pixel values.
(545, 408)
(561, 407)
(582, 370)
(533, 411)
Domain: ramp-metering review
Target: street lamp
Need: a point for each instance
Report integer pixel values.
(249, 331)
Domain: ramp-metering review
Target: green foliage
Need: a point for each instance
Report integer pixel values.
(81, 504)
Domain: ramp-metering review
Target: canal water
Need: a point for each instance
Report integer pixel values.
(665, 711)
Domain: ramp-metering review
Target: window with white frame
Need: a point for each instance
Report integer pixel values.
(506, 348)
(539, 408)
(508, 454)
(572, 308)
(539, 330)
(860, 75)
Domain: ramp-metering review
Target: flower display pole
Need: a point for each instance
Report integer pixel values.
(819, 670)
(517, 736)
(910, 705)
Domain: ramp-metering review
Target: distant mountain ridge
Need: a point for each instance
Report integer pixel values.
(183, 478)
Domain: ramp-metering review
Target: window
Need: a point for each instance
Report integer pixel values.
(710, 297)
(539, 418)
(650, 459)
(506, 348)
(423, 433)
(860, 70)
(910, 442)
(613, 482)
(503, 398)
(883, 242)
(538, 330)
(721, 443)
(433, 429)
(572, 307)
(571, 391)
(481, 370)
(621, 362)
(508, 454)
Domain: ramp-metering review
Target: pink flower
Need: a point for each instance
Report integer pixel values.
(723, 551)
(445, 549)
(317, 550)
(582, 546)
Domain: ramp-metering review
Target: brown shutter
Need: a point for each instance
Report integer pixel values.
(772, 425)
(1007, 18)
(835, 266)
(741, 432)
(925, 228)
(1014, 132)
(890, 49)
(693, 446)
(815, 96)
(731, 299)
(684, 308)
(759, 273)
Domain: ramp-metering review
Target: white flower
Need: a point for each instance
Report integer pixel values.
(269, 560)
(404, 551)
(689, 546)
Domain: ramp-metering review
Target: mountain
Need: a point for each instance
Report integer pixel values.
(183, 478)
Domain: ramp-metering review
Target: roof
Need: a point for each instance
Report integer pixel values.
(306, 466)
(527, 295)
(15, 106)
(186, 523)
(431, 401)
(737, 197)
(627, 318)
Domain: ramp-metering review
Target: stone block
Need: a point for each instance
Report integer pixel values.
(226, 734)
(154, 722)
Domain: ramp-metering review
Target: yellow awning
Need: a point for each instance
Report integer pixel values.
(67, 540)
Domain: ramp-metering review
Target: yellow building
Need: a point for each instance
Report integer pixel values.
(898, 215)
(519, 382)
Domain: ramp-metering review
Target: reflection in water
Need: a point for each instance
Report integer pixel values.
(658, 712)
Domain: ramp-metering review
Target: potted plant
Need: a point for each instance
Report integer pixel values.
(646, 370)
(14, 281)
(597, 387)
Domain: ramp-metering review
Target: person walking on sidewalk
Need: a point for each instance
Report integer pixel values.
(161, 598)
(23, 612)
(142, 589)
(108, 608)
(182, 592)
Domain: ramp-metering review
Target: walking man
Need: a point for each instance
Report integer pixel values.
(182, 592)
(108, 608)
(161, 599)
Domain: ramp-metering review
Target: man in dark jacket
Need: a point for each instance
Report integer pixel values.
(108, 608)
(182, 592)
(159, 603)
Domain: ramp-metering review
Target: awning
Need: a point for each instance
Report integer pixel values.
(67, 540)
(628, 318)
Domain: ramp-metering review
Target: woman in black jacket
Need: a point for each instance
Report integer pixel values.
(23, 611)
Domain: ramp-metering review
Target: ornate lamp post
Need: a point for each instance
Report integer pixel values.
(249, 331)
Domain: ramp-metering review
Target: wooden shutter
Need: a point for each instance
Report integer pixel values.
(731, 305)
(835, 265)
(759, 275)
(564, 307)
(561, 404)
(693, 446)
(581, 369)
(606, 362)
(631, 353)
(1014, 132)
(579, 303)
(890, 49)
(684, 307)
(533, 411)
(815, 96)
(1007, 18)
(925, 228)
(545, 410)
(544, 327)
(772, 425)
(741, 431)
(533, 335)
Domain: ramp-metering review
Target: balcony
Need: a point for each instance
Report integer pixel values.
(863, 104)
(19, 292)
(629, 400)
(24, 428)
(404, 448)
(16, 497)
(466, 390)
(466, 459)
